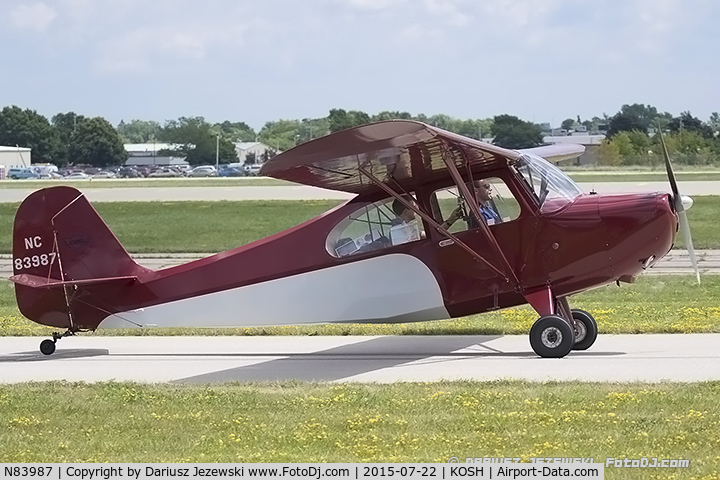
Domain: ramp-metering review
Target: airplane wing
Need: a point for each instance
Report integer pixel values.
(407, 152)
(397, 152)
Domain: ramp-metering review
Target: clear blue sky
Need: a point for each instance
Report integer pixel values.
(257, 61)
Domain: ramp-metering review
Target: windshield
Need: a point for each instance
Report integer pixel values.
(551, 186)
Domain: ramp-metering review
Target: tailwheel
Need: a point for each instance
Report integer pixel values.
(552, 337)
(47, 347)
(586, 330)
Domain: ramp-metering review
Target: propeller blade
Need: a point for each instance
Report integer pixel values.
(680, 208)
(668, 168)
(685, 229)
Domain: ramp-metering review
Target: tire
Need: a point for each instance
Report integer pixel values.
(586, 330)
(552, 337)
(47, 347)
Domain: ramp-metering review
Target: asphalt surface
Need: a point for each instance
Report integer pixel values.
(303, 192)
(625, 358)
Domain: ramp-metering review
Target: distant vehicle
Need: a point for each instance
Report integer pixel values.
(77, 175)
(204, 171)
(253, 169)
(184, 169)
(231, 172)
(104, 174)
(128, 172)
(165, 173)
(17, 173)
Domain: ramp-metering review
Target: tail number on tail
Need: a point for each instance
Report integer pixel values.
(34, 261)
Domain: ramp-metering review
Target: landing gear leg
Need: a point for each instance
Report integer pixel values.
(47, 347)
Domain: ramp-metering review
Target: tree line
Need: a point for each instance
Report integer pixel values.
(70, 138)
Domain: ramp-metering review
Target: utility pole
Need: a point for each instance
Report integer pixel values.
(217, 151)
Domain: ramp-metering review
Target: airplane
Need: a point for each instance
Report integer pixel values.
(390, 254)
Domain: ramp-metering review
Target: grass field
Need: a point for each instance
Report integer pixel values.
(172, 227)
(301, 422)
(655, 304)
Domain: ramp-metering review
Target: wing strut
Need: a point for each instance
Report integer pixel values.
(432, 222)
(480, 220)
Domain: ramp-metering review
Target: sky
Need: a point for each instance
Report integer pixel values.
(263, 60)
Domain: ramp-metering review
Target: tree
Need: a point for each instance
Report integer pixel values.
(282, 134)
(65, 124)
(567, 124)
(715, 122)
(27, 128)
(96, 142)
(692, 124)
(235, 131)
(138, 131)
(511, 132)
(635, 117)
(198, 142)
(340, 119)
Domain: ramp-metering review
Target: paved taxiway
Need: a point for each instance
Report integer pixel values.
(303, 192)
(646, 358)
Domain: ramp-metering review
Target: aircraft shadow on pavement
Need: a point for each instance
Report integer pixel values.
(36, 356)
(364, 357)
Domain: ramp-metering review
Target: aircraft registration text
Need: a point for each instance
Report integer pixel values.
(34, 261)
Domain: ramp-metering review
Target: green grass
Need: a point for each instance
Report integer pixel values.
(210, 227)
(655, 304)
(149, 182)
(417, 422)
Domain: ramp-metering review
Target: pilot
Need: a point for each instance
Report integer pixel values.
(483, 192)
(405, 228)
(483, 189)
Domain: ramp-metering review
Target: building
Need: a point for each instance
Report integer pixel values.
(258, 149)
(15, 156)
(147, 154)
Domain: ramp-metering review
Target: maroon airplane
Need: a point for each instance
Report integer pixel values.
(441, 226)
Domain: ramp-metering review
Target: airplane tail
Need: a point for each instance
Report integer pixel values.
(67, 264)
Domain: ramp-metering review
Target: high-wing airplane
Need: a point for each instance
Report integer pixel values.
(441, 226)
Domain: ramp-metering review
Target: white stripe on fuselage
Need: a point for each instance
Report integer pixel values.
(389, 288)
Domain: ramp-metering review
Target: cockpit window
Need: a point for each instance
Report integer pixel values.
(375, 226)
(552, 188)
(494, 199)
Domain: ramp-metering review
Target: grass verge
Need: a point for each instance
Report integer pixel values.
(306, 422)
(655, 304)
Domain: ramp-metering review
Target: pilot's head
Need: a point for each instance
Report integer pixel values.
(483, 190)
(402, 211)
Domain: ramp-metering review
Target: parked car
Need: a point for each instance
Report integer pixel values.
(253, 169)
(22, 172)
(128, 172)
(77, 176)
(204, 171)
(104, 174)
(165, 173)
(231, 172)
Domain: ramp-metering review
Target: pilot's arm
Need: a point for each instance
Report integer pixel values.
(455, 215)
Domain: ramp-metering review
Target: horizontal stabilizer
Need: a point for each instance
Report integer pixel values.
(45, 282)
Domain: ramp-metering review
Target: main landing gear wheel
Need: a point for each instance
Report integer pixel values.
(586, 330)
(47, 347)
(552, 337)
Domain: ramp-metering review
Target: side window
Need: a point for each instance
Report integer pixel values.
(374, 226)
(496, 203)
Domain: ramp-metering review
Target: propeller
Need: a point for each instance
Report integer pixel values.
(682, 204)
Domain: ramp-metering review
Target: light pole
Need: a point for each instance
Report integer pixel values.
(217, 151)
